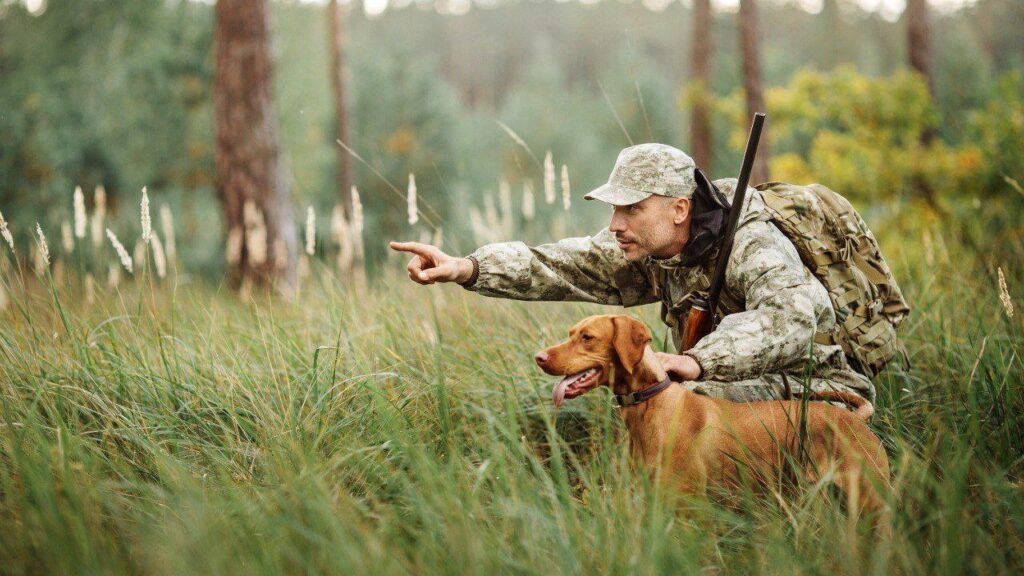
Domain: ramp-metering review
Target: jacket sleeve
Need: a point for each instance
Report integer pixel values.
(586, 269)
(784, 306)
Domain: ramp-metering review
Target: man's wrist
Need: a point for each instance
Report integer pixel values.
(695, 364)
(469, 270)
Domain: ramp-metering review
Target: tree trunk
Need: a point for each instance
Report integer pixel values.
(251, 178)
(700, 69)
(752, 82)
(337, 45)
(919, 47)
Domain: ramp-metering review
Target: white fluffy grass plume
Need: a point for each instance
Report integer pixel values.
(6, 232)
(414, 215)
(147, 222)
(44, 249)
(81, 220)
(549, 178)
(310, 231)
(126, 260)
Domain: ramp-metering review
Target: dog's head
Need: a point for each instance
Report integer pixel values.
(597, 346)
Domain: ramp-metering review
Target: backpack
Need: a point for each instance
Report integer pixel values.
(836, 245)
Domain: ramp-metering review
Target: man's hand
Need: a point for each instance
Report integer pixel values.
(430, 264)
(682, 367)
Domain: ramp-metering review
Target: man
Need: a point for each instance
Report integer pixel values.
(661, 245)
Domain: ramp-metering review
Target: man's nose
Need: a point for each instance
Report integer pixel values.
(616, 225)
(541, 358)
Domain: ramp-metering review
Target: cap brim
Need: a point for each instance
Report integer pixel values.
(617, 195)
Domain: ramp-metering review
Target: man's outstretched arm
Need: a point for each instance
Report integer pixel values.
(585, 269)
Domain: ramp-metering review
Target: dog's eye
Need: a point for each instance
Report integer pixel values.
(586, 337)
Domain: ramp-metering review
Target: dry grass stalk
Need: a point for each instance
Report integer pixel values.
(549, 179)
(159, 257)
(81, 220)
(1004, 294)
(528, 204)
(566, 197)
(414, 215)
(67, 237)
(122, 254)
(167, 226)
(147, 222)
(4, 300)
(310, 231)
(44, 249)
(6, 232)
(99, 212)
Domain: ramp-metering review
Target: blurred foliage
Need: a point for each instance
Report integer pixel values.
(862, 137)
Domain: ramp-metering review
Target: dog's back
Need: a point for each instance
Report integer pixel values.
(768, 437)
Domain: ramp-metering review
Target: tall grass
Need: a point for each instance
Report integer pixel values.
(390, 428)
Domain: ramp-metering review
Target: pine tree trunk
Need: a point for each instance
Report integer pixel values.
(752, 82)
(700, 69)
(251, 179)
(337, 45)
(919, 47)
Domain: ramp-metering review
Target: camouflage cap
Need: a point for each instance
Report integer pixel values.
(647, 169)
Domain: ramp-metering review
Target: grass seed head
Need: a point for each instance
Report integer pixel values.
(167, 226)
(414, 216)
(67, 238)
(1004, 294)
(357, 211)
(159, 256)
(122, 254)
(147, 223)
(528, 208)
(566, 198)
(6, 232)
(99, 212)
(310, 231)
(44, 249)
(81, 220)
(549, 178)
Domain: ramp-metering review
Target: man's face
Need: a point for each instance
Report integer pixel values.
(656, 226)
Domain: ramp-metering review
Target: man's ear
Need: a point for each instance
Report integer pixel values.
(630, 338)
(681, 209)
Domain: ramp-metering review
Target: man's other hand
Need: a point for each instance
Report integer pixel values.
(430, 264)
(680, 367)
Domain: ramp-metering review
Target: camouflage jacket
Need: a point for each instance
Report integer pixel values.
(772, 305)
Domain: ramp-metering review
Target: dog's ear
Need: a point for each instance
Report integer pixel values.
(630, 338)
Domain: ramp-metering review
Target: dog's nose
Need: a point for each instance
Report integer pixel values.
(541, 358)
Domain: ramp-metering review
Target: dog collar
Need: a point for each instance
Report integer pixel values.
(641, 396)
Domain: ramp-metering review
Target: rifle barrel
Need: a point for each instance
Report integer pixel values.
(738, 197)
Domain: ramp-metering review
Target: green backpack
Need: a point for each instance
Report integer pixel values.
(837, 246)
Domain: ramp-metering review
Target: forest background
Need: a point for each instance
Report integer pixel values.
(118, 93)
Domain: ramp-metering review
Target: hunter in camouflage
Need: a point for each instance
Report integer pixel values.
(773, 307)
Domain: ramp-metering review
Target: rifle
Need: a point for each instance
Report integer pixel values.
(700, 321)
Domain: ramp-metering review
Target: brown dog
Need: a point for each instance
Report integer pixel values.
(691, 441)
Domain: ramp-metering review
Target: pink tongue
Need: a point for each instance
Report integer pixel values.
(558, 394)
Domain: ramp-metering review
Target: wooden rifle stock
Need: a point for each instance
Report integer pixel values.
(698, 324)
(700, 321)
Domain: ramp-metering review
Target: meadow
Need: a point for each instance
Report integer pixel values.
(170, 426)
